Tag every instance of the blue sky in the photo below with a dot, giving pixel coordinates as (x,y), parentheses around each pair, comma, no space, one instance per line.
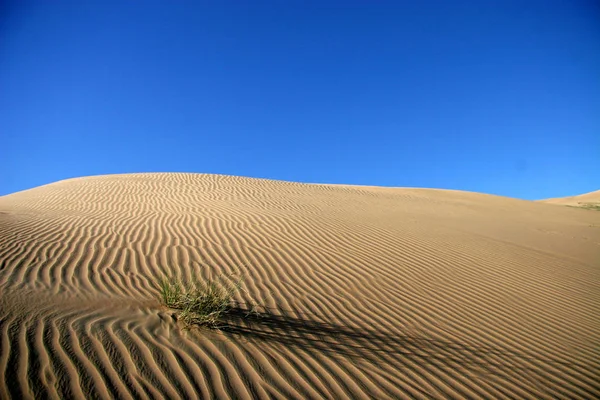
(499,97)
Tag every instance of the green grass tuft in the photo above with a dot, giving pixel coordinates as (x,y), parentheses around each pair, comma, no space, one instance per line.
(591,206)
(199,303)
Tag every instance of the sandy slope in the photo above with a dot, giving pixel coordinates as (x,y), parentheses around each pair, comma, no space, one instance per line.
(372,292)
(587,198)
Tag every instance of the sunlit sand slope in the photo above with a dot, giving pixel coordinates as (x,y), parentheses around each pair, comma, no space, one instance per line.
(368,292)
(582,199)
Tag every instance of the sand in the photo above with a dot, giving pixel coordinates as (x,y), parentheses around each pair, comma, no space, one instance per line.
(378,293)
(587,198)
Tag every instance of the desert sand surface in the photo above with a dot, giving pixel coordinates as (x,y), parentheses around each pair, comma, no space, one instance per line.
(587,198)
(379,293)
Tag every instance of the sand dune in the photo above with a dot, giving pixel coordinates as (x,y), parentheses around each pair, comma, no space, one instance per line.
(587,198)
(368,292)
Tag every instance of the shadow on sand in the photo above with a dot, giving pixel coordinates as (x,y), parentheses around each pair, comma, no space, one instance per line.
(383,347)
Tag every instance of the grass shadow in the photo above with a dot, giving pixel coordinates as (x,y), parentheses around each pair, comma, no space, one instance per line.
(386,347)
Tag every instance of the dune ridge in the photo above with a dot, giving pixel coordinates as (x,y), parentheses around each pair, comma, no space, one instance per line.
(586,198)
(367,292)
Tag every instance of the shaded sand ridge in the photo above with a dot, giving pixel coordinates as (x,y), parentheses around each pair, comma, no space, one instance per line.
(369,292)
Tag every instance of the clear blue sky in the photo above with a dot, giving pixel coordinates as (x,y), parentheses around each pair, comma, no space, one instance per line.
(500,97)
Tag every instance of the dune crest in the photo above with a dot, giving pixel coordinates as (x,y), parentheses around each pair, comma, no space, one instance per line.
(586,198)
(368,292)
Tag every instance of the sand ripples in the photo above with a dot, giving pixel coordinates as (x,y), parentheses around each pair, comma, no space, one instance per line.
(368,292)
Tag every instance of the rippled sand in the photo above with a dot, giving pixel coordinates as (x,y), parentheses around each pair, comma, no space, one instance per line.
(368,292)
